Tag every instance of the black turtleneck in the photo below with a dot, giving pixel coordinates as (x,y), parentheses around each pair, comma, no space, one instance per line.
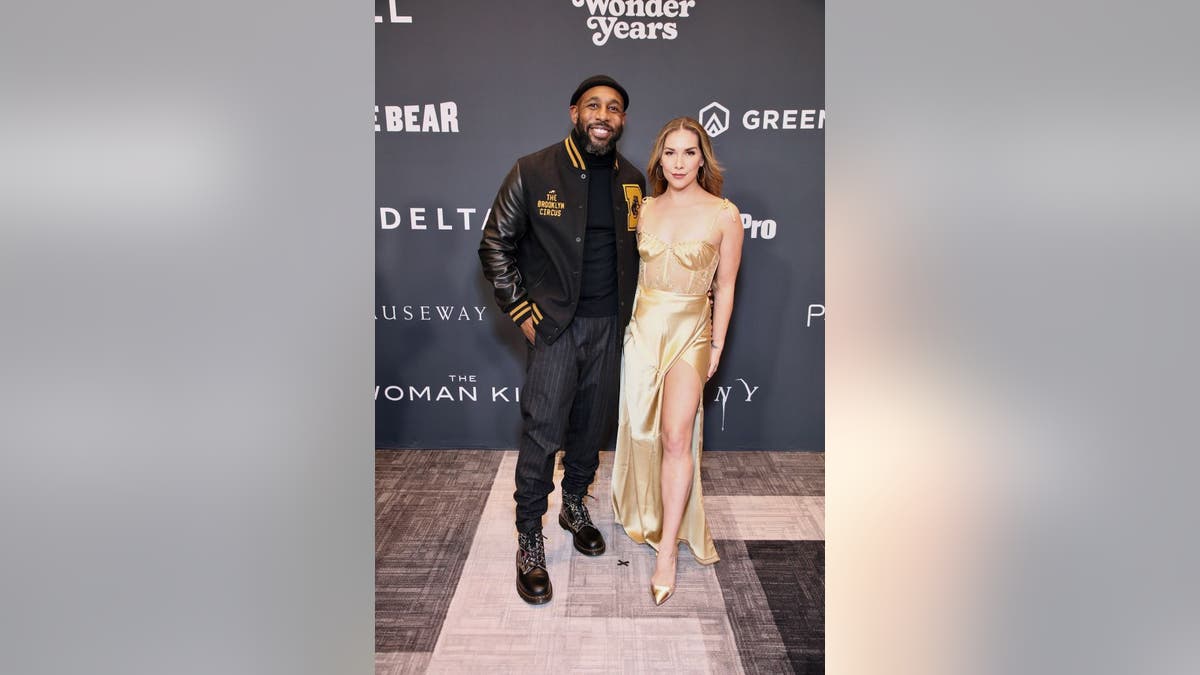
(598,291)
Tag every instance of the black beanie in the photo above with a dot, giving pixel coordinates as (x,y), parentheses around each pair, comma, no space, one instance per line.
(600,81)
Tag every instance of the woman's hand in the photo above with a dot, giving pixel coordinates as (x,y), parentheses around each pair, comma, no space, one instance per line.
(714,358)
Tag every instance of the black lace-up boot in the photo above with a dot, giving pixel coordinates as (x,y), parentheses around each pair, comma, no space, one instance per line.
(533,581)
(575,519)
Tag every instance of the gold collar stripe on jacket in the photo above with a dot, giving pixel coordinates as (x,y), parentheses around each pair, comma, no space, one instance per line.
(573,153)
(577,159)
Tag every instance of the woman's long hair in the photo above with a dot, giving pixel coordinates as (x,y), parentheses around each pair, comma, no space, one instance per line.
(709,176)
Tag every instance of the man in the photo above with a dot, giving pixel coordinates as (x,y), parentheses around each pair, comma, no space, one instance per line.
(560,250)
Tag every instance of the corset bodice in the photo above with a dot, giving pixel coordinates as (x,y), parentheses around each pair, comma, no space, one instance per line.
(681,267)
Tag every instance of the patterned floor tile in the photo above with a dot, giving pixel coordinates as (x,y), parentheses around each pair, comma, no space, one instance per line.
(401,663)
(427,508)
(747,518)
(767,474)
(792,575)
(760,646)
(434,470)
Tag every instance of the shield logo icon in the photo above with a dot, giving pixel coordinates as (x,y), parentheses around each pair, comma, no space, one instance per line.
(714,117)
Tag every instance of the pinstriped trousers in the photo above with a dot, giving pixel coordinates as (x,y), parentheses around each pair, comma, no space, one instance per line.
(569,401)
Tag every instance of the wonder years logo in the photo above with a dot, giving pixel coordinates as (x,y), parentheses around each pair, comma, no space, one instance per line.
(607,18)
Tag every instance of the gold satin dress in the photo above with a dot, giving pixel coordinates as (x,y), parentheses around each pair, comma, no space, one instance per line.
(671,326)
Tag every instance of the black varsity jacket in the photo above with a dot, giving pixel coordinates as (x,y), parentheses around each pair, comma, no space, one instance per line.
(532,246)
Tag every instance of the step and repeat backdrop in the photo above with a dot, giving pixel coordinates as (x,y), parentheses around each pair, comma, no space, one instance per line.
(464,87)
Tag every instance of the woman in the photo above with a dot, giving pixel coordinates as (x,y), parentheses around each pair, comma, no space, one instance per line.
(689,241)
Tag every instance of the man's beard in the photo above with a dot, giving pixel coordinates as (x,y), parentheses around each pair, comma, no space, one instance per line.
(603,147)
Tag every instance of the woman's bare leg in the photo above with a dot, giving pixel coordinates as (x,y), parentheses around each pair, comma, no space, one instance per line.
(681,400)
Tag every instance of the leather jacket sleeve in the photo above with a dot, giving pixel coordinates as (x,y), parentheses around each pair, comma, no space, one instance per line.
(506,225)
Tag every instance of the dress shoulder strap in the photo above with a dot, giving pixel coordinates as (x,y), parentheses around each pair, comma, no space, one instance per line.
(725,204)
(646,200)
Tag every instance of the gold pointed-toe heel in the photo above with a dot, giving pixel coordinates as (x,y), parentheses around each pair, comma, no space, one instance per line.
(661,593)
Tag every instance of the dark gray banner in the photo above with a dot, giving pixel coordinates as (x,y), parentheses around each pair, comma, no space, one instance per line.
(464,88)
